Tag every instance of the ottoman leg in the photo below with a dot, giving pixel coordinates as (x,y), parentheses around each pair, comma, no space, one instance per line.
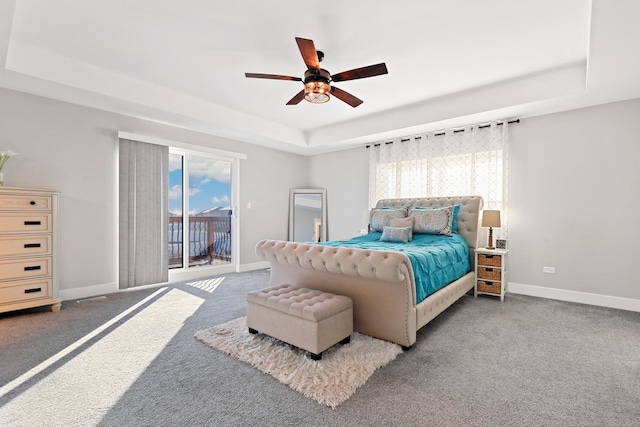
(316,356)
(252,331)
(347,340)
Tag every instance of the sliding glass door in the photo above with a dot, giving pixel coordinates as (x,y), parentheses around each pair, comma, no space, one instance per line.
(200,210)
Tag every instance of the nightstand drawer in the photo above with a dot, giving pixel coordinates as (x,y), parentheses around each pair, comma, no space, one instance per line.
(491,287)
(24,222)
(21,244)
(489,273)
(24,268)
(490,260)
(31,203)
(25,290)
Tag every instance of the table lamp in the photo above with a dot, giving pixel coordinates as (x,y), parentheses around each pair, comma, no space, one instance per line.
(490,218)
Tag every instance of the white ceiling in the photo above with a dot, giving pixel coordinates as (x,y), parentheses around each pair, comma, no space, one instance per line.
(450,62)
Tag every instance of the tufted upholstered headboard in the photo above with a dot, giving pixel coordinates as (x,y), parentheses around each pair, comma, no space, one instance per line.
(468,218)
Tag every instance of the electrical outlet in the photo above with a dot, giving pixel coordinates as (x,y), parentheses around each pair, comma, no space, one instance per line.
(550,270)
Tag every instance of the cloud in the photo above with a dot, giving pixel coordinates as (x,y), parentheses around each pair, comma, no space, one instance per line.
(203,167)
(175,192)
(223,199)
(206,168)
(175,162)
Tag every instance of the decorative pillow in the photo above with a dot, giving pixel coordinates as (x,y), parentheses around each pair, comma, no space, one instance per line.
(380,217)
(454,221)
(401,222)
(396,234)
(432,221)
(404,222)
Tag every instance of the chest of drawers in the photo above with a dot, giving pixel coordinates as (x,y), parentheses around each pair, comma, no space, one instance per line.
(28,233)
(491,272)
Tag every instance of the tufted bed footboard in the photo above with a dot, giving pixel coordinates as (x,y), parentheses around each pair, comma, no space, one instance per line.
(381,284)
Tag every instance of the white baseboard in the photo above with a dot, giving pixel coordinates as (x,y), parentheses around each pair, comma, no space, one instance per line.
(87,291)
(254,266)
(574,296)
(108,288)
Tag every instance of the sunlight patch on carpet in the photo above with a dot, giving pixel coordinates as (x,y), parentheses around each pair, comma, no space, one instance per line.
(329,381)
(86,380)
(208,285)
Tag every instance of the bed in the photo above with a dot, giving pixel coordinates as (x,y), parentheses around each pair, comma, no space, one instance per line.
(381,281)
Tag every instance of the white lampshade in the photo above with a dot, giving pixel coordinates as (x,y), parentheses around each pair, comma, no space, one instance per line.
(491,218)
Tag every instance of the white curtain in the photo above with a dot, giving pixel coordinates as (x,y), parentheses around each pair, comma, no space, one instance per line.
(469,161)
(144,214)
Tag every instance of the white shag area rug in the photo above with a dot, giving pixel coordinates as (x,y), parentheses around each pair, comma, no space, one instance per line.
(329,381)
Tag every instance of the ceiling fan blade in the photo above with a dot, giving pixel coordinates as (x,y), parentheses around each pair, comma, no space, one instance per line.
(360,73)
(272,76)
(345,96)
(309,53)
(296,99)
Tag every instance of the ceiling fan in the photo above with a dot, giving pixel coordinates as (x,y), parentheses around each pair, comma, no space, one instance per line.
(317,81)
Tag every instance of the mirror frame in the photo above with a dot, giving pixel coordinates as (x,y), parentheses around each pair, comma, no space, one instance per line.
(323,210)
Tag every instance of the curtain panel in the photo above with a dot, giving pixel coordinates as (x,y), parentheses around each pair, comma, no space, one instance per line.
(469,161)
(143,214)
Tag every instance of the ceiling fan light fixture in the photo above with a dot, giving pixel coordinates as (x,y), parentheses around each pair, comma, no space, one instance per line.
(317,91)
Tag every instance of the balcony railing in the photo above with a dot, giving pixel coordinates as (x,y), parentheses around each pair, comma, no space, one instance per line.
(209,240)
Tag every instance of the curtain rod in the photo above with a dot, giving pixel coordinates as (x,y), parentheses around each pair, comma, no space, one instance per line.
(442,133)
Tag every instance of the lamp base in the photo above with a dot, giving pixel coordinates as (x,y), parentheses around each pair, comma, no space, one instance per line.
(490,242)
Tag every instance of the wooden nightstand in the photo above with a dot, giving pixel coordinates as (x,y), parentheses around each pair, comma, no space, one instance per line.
(491,272)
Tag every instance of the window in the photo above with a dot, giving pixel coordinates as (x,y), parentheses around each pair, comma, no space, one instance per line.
(453,163)
(205,210)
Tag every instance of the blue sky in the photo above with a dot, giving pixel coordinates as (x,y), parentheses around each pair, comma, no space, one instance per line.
(209,183)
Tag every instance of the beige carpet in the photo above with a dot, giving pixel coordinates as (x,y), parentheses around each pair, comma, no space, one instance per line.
(329,381)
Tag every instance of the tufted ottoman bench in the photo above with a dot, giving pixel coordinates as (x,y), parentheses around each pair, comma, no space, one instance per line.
(306,318)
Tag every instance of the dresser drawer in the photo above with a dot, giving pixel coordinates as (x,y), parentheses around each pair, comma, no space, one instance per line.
(490,260)
(22,244)
(24,222)
(31,203)
(25,290)
(489,273)
(24,268)
(490,287)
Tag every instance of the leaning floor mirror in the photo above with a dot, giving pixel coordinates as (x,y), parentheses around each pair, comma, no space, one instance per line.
(307,215)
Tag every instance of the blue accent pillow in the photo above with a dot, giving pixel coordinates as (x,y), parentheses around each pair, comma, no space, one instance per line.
(396,234)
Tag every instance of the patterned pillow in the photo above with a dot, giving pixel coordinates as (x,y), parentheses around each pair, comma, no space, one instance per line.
(454,221)
(380,218)
(404,222)
(432,221)
(396,234)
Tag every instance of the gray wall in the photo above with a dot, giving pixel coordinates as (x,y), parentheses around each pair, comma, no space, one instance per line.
(572,202)
(345,176)
(573,181)
(73,149)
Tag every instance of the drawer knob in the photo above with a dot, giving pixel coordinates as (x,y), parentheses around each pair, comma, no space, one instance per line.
(32,245)
(32,203)
(33,223)
(32,290)
(32,268)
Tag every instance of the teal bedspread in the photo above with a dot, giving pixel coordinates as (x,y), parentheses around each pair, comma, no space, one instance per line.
(436,260)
